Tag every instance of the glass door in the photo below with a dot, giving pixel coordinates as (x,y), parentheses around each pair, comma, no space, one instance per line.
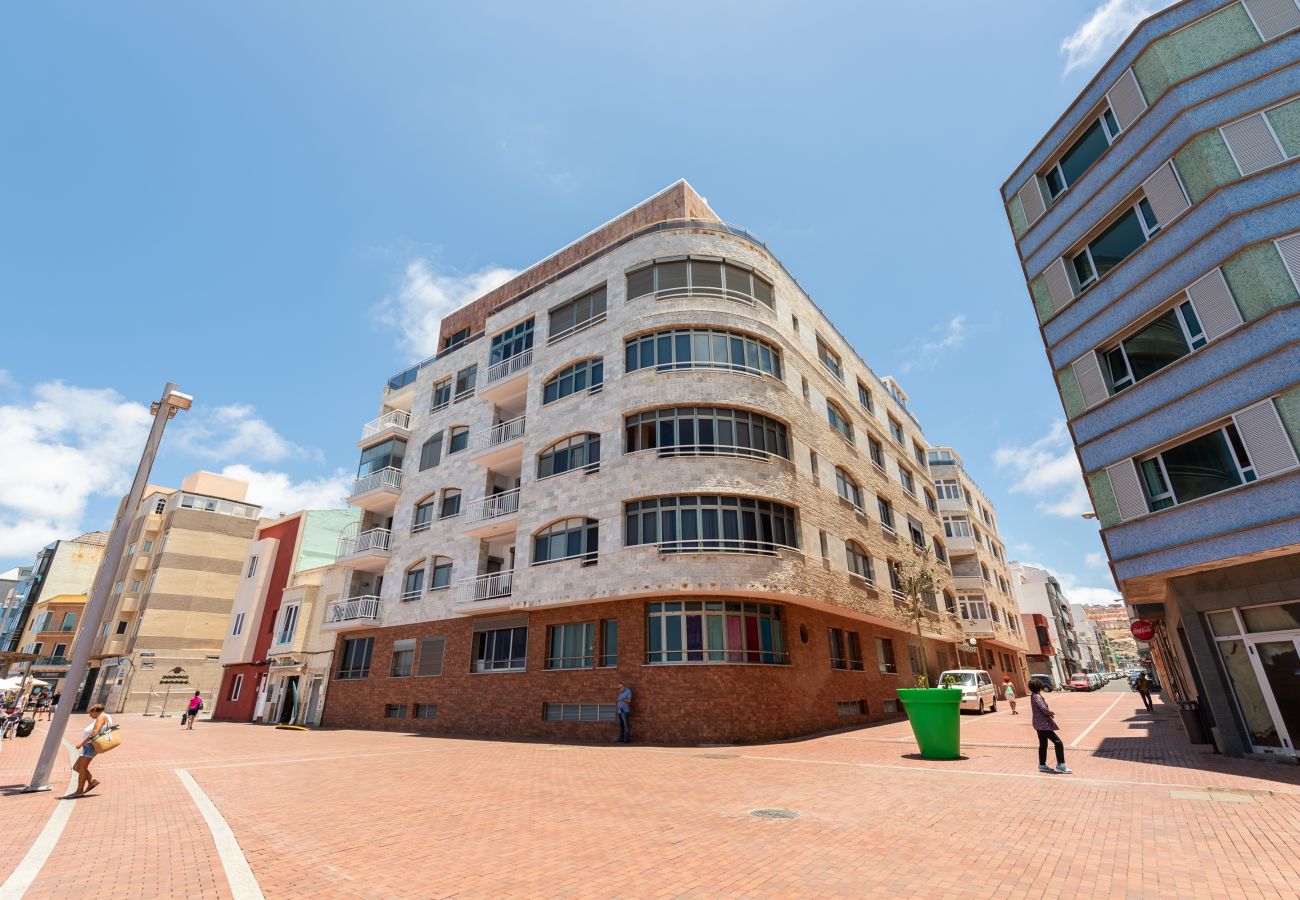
(1260,650)
(1280,662)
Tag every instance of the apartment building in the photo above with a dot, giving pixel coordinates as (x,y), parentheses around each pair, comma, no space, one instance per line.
(171,595)
(1158,225)
(65,568)
(49,635)
(268,673)
(1113,626)
(649,458)
(1046,612)
(986,603)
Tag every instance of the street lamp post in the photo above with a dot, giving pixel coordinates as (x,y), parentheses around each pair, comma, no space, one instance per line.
(164,409)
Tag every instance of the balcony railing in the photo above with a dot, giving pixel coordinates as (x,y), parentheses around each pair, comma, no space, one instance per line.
(352,609)
(395,419)
(493,507)
(51,661)
(383,478)
(501,434)
(508,367)
(485,587)
(375,540)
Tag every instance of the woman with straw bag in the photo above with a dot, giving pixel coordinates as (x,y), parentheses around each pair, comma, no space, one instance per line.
(97,732)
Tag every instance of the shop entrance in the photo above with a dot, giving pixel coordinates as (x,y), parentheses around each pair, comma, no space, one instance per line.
(1260,649)
(289,701)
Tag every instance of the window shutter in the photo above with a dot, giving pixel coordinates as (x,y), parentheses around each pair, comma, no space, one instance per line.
(1129,496)
(1166,194)
(1031,200)
(431,654)
(1273,17)
(1252,144)
(1266,440)
(1289,247)
(431,452)
(1088,372)
(1126,100)
(1058,285)
(1214,305)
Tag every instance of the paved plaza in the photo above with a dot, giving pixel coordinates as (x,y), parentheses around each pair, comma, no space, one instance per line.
(246,811)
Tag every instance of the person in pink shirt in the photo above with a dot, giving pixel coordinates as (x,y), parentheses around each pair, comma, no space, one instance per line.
(192,713)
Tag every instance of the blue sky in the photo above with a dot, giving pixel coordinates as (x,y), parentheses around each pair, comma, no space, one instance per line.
(272,204)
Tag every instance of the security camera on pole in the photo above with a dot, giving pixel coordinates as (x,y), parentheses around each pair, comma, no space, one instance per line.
(164,409)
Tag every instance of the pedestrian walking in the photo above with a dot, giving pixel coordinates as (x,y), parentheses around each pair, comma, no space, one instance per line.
(624,710)
(1143,686)
(196,704)
(1045,725)
(1009,690)
(99,721)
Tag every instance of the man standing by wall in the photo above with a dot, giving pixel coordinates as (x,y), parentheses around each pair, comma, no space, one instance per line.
(624,709)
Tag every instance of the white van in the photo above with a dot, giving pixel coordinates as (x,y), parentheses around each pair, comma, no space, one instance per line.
(977,689)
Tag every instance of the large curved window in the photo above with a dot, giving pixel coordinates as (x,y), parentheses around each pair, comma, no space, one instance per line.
(665,279)
(849,489)
(839,421)
(702,348)
(585,375)
(582,451)
(568,539)
(710,522)
(706,431)
(714,631)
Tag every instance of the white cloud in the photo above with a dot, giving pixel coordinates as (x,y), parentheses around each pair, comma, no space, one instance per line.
(277,492)
(1076,591)
(1047,468)
(234,432)
(927,353)
(1109,24)
(1096,560)
(7,382)
(427,296)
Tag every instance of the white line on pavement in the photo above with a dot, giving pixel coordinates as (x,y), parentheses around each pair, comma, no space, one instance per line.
(243,883)
(21,878)
(1074,744)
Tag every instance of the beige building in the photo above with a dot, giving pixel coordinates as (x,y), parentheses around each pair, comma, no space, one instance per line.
(50,633)
(172,594)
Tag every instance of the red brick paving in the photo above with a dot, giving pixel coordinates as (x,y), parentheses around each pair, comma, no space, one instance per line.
(363,814)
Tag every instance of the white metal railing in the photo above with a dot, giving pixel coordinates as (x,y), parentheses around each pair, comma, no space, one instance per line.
(510,366)
(493,507)
(501,433)
(723,545)
(383,478)
(374,540)
(485,587)
(574,329)
(352,609)
(395,419)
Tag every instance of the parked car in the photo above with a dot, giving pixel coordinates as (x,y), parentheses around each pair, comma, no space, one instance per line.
(1098,682)
(1044,680)
(1081,681)
(977,689)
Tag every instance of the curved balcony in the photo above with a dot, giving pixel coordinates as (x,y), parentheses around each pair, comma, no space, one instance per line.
(378,490)
(490,591)
(499,443)
(352,612)
(507,378)
(492,515)
(368,551)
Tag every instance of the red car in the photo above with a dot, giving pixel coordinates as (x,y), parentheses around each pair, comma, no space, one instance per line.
(1080,682)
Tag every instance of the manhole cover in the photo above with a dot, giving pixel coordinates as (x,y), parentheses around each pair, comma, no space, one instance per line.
(774,813)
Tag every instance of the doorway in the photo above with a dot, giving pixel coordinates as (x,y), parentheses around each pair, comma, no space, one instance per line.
(289,701)
(1260,650)
(313,697)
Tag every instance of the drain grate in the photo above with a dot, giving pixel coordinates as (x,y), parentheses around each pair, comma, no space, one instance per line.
(774,813)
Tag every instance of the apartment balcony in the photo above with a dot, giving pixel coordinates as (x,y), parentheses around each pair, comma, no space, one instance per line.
(498,445)
(507,379)
(45,661)
(141,563)
(114,646)
(393,424)
(977,628)
(969,583)
(378,491)
(352,613)
(951,506)
(490,591)
(153,522)
(959,544)
(130,603)
(492,515)
(368,551)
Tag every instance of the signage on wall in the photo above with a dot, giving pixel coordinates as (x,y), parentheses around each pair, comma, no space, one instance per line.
(1142,630)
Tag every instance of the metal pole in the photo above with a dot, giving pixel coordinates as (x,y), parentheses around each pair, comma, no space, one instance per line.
(98,604)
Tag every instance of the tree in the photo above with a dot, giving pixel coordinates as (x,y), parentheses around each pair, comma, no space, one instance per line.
(916,581)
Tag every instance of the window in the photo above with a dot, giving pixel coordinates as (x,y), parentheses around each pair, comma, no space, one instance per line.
(984,573)
(941,458)
(236,685)
(238,627)
(915,533)
(466,378)
(669,278)
(455,340)
(895,578)
(252,567)
(706,431)
(432,651)
(388,455)
(423,516)
(585,375)
(710,522)
(864,398)
(146,547)
(702,348)
(896,429)
(803,380)
(354,661)
(413,584)
(838,659)
(569,539)
(59,650)
(918,452)
(426,711)
(825,544)
(948,489)
(830,359)
(885,656)
(940,553)
(288,624)
(580,712)
(1080,156)
(512,342)
(956,527)
(717,631)
(572,646)
(450,504)
(394,711)
(877,453)
(1166,340)
(854,646)
(121,626)
(886,513)
(813,464)
(160,507)
(930,503)
(839,421)
(917,659)
(403,658)
(501,650)
(907,481)
(441,395)
(130,551)
(859,562)
(848,488)
(1110,248)
(135,585)
(70,619)
(608,643)
(441,579)
(576,315)
(431,452)
(794,323)
(1197,468)
(119,587)
(459,439)
(582,451)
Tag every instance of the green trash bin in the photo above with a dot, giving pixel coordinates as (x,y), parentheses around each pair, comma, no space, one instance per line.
(935,716)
